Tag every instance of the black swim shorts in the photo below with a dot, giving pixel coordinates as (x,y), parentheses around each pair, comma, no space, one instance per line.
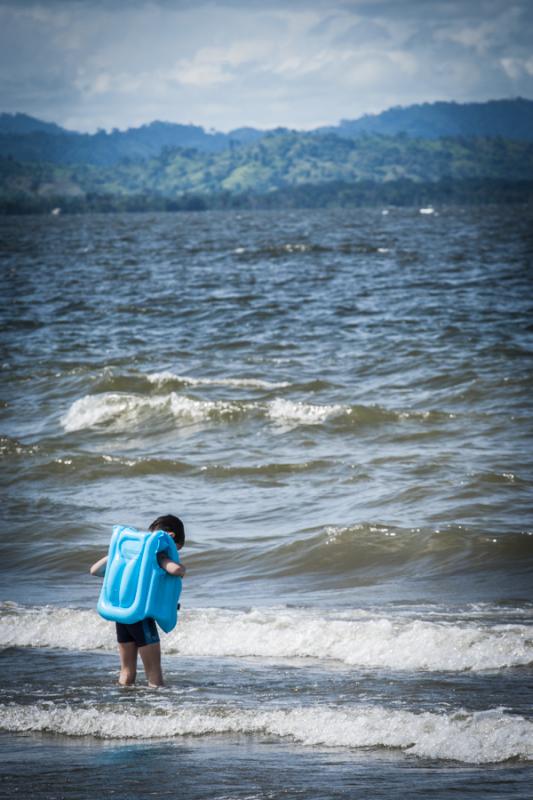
(142,633)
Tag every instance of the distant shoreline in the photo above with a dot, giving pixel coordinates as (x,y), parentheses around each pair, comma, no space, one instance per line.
(400,193)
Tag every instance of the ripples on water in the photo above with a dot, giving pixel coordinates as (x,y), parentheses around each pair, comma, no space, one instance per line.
(338,404)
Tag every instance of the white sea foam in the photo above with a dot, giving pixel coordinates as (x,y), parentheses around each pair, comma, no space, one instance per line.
(161,378)
(290,412)
(296,247)
(360,642)
(360,639)
(52,626)
(125,411)
(479,737)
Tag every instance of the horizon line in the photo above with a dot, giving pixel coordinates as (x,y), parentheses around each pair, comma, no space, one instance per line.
(214,131)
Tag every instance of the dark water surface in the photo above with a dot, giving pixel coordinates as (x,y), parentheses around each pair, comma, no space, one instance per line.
(338,404)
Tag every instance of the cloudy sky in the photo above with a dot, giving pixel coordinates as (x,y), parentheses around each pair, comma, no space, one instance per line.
(225,63)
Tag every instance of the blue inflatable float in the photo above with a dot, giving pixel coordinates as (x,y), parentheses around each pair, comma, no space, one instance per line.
(135,586)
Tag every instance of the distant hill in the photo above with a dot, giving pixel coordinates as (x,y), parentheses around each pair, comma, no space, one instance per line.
(22,124)
(25,138)
(511,119)
(28,139)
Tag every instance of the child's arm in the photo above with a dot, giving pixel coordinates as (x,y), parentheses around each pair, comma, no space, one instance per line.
(172,567)
(98,568)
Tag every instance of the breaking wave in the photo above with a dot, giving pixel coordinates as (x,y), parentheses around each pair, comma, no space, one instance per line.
(356,639)
(124,411)
(480,737)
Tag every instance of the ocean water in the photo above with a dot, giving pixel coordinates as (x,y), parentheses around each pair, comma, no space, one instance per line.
(338,405)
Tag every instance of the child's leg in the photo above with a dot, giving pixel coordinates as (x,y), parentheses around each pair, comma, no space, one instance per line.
(151,658)
(128,663)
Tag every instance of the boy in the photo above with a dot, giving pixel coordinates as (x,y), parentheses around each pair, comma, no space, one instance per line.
(142,637)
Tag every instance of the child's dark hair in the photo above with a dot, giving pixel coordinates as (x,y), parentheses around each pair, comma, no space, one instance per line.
(170,524)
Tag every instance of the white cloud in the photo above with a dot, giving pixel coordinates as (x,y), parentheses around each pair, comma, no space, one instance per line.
(202,70)
(516,68)
(298,66)
(404,61)
(477,37)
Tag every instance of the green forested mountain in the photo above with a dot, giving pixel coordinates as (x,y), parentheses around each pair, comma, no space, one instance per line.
(511,119)
(281,164)
(22,124)
(25,138)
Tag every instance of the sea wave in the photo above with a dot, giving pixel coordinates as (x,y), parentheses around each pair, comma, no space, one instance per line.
(125,411)
(112,379)
(358,639)
(479,737)
(166,377)
(85,467)
(323,558)
(366,549)
(290,412)
(367,641)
